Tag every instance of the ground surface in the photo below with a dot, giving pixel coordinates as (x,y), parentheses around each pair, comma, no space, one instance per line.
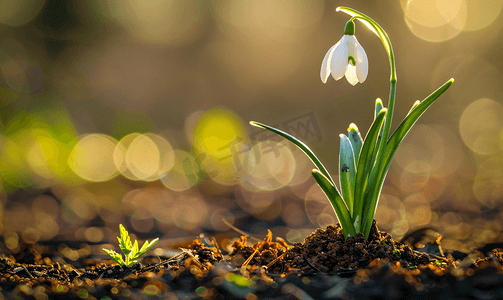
(323,266)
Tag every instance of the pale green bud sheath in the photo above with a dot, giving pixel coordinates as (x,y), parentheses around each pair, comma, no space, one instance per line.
(350,28)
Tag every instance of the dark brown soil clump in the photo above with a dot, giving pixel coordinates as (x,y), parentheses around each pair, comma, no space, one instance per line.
(324,266)
(326,251)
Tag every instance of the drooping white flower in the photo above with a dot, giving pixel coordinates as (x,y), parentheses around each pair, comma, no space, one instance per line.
(347,57)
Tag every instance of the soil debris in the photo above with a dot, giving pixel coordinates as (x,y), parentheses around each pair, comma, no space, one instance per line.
(324,266)
(326,251)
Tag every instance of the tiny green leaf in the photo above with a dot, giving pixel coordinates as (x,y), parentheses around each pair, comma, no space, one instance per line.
(124,240)
(131,252)
(146,246)
(115,256)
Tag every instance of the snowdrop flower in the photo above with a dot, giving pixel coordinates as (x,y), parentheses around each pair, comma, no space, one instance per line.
(347,57)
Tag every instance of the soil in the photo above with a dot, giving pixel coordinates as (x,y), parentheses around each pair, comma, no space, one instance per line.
(324,266)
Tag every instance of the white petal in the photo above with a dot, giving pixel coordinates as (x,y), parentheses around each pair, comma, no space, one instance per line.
(362,63)
(351,75)
(351,44)
(339,60)
(325,65)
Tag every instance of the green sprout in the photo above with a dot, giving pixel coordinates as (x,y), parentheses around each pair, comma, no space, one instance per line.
(363,163)
(131,252)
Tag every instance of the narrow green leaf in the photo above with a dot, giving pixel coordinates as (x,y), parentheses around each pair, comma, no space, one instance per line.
(392,145)
(356,140)
(154,241)
(378,108)
(365,163)
(338,204)
(347,172)
(299,144)
(146,246)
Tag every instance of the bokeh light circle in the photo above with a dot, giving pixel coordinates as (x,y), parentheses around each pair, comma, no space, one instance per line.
(92,158)
(269,166)
(120,155)
(166,155)
(488,182)
(431,13)
(480,126)
(184,174)
(142,157)
(418,210)
(435,20)
(482,13)
(316,204)
(220,140)
(391,215)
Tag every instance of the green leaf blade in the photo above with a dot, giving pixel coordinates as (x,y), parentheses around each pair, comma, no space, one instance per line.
(365,163)
(347,172)
(338,204)
(394,141)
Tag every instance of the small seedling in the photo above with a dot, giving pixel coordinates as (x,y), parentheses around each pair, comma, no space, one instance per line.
(131,252)
(363,163)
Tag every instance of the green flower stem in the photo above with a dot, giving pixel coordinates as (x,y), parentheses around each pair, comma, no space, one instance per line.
(377,29)
(368,195)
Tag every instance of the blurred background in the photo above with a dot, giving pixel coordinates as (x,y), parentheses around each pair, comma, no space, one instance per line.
(136,112)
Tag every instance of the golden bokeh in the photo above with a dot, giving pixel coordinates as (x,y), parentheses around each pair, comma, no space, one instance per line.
(440,20)
(432,13)
(142,157)
(481,13)
(480,126)
(135,112)
(92,158)
(268,165)
(218,139)
(185,173)
(317,206)
(435,20)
